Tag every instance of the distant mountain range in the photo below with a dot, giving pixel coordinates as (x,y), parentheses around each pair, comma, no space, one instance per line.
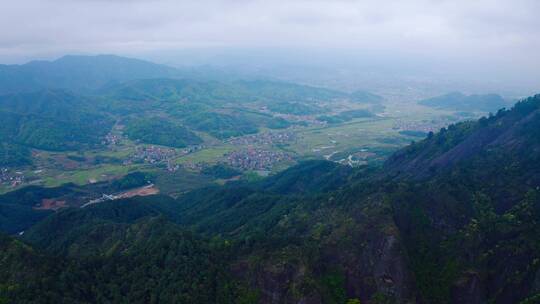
(85,74)
(79,73)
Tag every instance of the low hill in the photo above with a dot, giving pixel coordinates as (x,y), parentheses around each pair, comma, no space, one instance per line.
(366,97)
(14,155)
(459,102)
(345,116)
(51,120)
(159,131)
(288,92)
(295,108)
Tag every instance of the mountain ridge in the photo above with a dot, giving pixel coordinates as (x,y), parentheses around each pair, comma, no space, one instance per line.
(80,73)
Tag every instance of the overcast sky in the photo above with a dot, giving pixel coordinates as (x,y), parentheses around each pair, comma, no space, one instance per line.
(504,33)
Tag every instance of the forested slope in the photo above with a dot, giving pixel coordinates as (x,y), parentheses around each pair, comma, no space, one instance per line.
(451,219)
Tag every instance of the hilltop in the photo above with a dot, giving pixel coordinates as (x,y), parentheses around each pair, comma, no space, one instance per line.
(460,102)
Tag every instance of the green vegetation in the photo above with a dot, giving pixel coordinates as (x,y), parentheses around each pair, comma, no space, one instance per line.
(14,155)
(221,171)
(160,132)
(308,177)
(334,284)
(172,90)
(179,182)
(132,180)
(345,116)
(51,120)
(58,120)
(413,133)
(366,97)
(212,92)
(15,218)
(295,108)
(222,125)
(263,90)
(460,102)
(467,217)
(98,173)
(484,196)
(149,261)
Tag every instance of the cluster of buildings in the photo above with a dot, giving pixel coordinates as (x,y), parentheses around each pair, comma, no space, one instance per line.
(310,120)
(172,166)
(357,159)
(194,166)
(265,138)
(153,154)
(10,178)
(190,149)
(256,159)
(160,156)
(111,139)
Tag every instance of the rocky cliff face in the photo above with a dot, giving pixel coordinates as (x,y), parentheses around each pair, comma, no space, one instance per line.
(467,204)
(350,250)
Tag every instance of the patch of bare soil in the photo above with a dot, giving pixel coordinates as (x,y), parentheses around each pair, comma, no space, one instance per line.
(51,204)
(144,191)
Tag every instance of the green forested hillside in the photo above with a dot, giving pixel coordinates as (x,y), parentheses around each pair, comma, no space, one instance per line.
(221,171)
(294,108)
(459,102)
(366,97)
(345,116)
(51,120)
(161,132)
(464,231)
(478,193)
(507,136)
(148,261)
(289,92)
(20,209)
(14,155)
(221,125)
(310,177)
(30,277)
(173,90)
